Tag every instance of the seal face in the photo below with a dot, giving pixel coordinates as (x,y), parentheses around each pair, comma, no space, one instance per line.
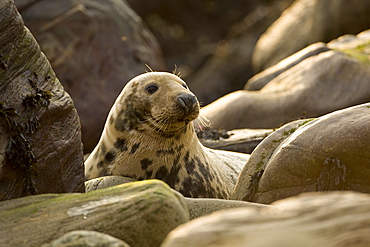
(149,134)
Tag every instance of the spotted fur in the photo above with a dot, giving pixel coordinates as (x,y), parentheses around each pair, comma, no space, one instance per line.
(151,135)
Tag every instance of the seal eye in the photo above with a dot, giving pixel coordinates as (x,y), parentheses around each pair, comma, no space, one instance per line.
(151,88)
(184,85)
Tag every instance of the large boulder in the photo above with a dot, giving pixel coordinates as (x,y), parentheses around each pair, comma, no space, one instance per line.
(210,42)
(258,81)
(86,239)
(306,22)
(95,47)
(231,62)
(197,206)
(353,45)
(188,30)
(327,153)
(40,144)
(139,213)
(318,84)
(331,219)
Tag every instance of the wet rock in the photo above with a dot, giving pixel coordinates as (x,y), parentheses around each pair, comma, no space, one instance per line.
(313,219)
(320,84)
(139,213)
(40,147)
(86,239)
(95,47)
(327,153)
(306,22)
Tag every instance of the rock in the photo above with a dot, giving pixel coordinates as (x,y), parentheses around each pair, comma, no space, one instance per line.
(315,219)
(327,153)
(239,140)
(40,147)
(351,42)
(106,182)
(188,30)
(199,207)
(139,213)
(248,180)
(306,22)
(231,62)
(352,45)
(95,47)
(86,239)
(316,86)
(261,79)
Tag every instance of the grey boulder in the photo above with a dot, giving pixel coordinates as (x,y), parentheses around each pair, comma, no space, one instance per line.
(332,219)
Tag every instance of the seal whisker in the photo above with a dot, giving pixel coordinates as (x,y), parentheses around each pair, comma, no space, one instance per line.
(163,124)
(159,124)
(175,72)
(150,69)
(202,121)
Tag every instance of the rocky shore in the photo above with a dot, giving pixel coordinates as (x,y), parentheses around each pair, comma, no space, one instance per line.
(303,118)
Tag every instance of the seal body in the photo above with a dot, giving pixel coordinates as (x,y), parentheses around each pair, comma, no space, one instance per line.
(149,133)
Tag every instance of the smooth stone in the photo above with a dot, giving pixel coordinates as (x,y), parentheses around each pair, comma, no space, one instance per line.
(258,81)
(106,182)
(314,87)
(331,219)
(323,154)
(199,207)
(306,22)
(139,213)
(86,239)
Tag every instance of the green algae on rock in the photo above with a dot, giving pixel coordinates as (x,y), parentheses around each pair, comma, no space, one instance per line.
(140,213)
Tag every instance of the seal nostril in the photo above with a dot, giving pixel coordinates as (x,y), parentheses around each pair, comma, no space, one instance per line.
(181,102)
(187,100)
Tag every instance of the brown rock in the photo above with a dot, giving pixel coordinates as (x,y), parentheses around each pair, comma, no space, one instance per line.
(307,22)
(332,219)
(328,153)
(95,47)
(40,147)
(239,140)
(316,86)
(231,62)
(260,80)
(188,30)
